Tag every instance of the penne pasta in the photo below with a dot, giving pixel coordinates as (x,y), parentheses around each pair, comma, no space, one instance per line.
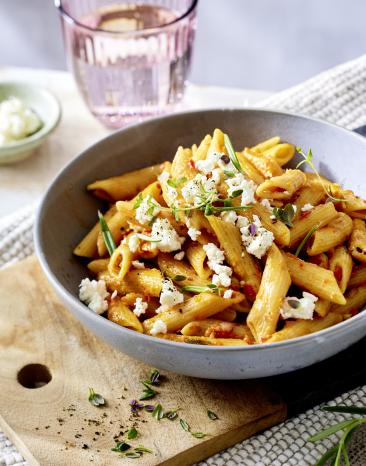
(202,149)
(341,264)
(281,153)
(358,276)
(98,265)
(283,186)
(357,242)
(265,145)
(120,314)
(193,340)
(267,166)
(355,300)
(353,205)
(180,272)
(182,166)
(196,257)
(145,282)
(214,328)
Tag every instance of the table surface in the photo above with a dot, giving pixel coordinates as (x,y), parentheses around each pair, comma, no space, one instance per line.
(25,182)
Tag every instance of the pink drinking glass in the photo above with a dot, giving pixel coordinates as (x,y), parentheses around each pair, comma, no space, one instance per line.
(130,60)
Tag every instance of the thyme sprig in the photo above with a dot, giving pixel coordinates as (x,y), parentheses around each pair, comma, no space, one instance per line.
(232,154)
(339,453)
(308,159)
(306,238)
(106,234)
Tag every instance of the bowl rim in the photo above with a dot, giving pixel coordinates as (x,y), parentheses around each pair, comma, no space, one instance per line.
(47,126)
(141,337)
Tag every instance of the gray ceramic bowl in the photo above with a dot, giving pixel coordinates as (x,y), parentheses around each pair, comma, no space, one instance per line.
(68,212)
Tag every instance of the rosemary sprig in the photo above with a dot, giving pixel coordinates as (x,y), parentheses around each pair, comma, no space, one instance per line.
(339,453)
(106,234)
(211,288)
(213,416)
(232,154)
(306,238)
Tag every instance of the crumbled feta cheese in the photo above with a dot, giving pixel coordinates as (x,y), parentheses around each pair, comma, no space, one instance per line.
(133,242)
(159,326)
(295,308)
(114,294)
(199,187)
(255,237)
(165,235)
(294,207)
(307,207)
(147,210)
(179,256)
(163,177)
(265,203)
(171,192)
(140,307)
(208,164)
(138,265)
(240,183)
(215,258)
(216,175)
(193,233)
(94,293)
(228,294)
(229,216)
(16,121)
(169,296)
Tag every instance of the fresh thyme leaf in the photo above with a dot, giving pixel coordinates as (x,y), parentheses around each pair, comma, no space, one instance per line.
(308,235)
(232,154)
(171,415)
(133,454)
(148,392)
(285,214)
(121,447)
(229,174)
(213,416)
(179,278)
(198,434)
(148,238)
(106,234)
(176,183)
(142,449)
(209,210)
(228,203)
(158,412)
(184,425)
(345,409)
(236,193)
(201,289)
(138,201)
(95,399)
(154,377)
(132,434)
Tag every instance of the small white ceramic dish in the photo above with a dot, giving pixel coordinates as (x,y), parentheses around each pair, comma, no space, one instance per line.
(44,104)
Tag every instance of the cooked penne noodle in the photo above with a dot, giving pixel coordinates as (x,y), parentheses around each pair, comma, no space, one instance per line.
(181,165)
(198,307)
(120,314)
(215,328)
(147,282)
(249,169)
(318,217)
(304,327)
(341,264)
(98,265)
(358,276)
(265,145)
(263,317)
(117,225)
(282,153)
(353,205)
(320,259)
(355,300)
(228,315)
(283,186)
(180,272)
(310,194)
(120,262)
(196,257)
(124,186)
(244,265)
(330,236)
(204,340)
(357,242)
(314,279)
(202,149)
(266,166)
(322,307)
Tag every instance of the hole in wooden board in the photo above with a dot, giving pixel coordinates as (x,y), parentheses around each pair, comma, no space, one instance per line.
(34,376)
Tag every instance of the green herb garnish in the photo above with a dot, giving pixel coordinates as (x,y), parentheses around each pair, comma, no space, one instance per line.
(106,234)
(211,288)
(171,415)
(229,174)
(306,238)
(179,278)
(338,453)
(142,449)
(232,154)
(132,434)
(158,412)
(184,425)
(236,193)
(148,392)
(198,434)
(94,398)
(121,447)
(154,378)
(176,183)
(148,238)
(285,214)
(213,416)
(138,201)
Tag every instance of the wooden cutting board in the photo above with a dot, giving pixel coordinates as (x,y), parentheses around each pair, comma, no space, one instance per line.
(56,425)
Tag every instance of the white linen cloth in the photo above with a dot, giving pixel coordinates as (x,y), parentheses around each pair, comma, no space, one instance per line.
(339,96)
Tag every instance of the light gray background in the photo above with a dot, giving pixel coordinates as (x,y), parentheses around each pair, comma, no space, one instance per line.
(257,44)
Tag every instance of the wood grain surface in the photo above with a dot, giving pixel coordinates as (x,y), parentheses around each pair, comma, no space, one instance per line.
(58,425)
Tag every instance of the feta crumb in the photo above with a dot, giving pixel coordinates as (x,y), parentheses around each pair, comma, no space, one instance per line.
(257,242)
(229,216)
(222,275)
(193,233)
(168,239)
(163,177)
(147,210)
(208,164)
(294,207)
(179,256)
(295,308)
(133,242)
(94,294)
(307,207)
(171,192)
(216,175)
(265,203)
(169,296)
(228,294)
(159,326)
(239,182)
(138,265)
(114,294)
(140,307)
(200,186)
